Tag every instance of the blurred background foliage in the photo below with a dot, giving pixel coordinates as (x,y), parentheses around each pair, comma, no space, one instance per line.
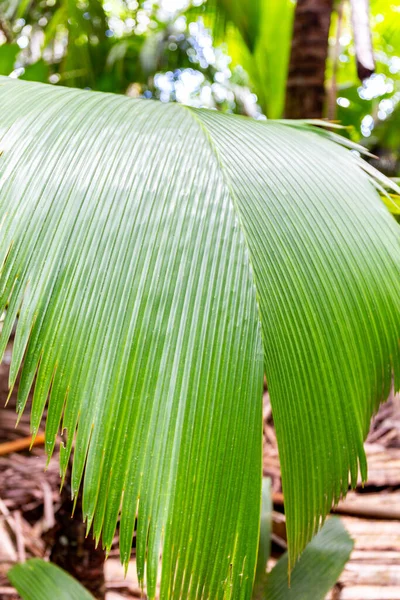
(230,55)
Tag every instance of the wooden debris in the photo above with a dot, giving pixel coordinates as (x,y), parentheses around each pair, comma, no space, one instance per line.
(384,505)
(24,443)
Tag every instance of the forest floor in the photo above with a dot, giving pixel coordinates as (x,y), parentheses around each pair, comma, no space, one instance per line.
(29,501)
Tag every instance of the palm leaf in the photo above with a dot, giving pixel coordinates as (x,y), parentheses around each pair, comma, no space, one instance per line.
(142,321)
(318,569)
(152,253)
(39,579)
(258,35)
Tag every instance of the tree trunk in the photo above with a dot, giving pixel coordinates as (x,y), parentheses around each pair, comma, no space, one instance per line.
(305,96)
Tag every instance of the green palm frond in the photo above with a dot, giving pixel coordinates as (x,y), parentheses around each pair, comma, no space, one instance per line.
(159,259)
(318,570)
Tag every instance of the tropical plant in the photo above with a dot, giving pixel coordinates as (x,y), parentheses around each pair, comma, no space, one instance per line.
(365,105)
(160,260)
(106,47)
(258,36)
(39,579)
(313,576)
(317,570)
(124,47)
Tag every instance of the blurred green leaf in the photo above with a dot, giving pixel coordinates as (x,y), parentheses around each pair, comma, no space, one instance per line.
(245,16)
(37,579)
(258,36)
(8,55)
(38,71)
(23,7)
(318,569)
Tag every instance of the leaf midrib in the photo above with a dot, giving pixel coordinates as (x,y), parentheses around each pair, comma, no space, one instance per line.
(232,196)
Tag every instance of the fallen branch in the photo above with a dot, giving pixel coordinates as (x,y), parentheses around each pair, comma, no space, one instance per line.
(385,512)
(21,444)
(388,513)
